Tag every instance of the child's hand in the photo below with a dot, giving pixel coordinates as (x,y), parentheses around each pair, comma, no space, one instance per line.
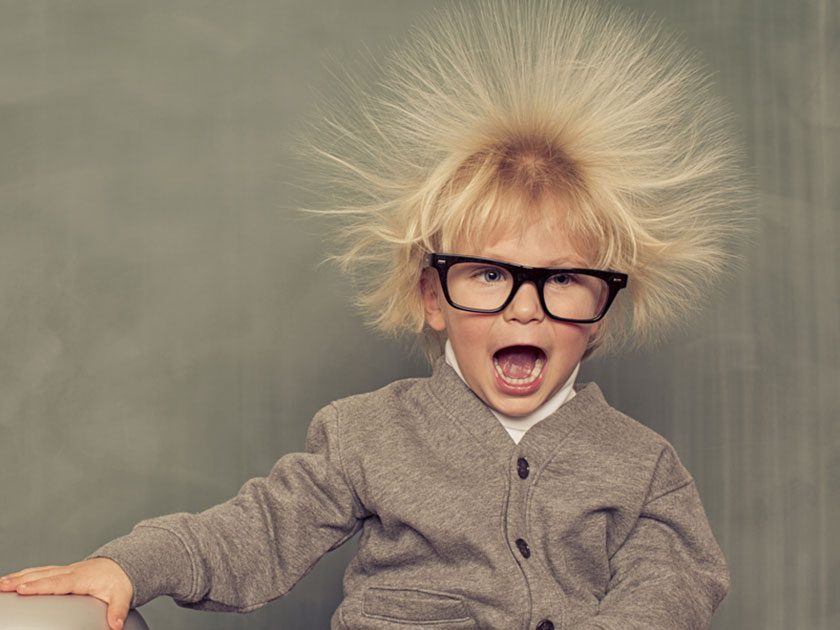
(100,577)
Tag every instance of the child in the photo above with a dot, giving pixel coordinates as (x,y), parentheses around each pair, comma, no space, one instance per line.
(527,168)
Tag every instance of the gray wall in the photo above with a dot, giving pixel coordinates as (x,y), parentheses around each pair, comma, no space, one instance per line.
(166,333)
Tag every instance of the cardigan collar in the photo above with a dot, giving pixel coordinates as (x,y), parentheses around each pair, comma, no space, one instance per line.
(466,409)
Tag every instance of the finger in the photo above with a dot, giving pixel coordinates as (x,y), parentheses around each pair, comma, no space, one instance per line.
(118,611)
(53,585)
(7,585)
(36,574)
(30,570)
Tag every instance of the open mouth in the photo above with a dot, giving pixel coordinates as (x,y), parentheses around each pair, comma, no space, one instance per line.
(519,366)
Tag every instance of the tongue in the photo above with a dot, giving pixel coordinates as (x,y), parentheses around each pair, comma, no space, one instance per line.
(517,361)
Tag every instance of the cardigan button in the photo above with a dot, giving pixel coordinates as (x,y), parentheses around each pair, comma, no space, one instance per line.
(522,467)
(523,547)
(545,624)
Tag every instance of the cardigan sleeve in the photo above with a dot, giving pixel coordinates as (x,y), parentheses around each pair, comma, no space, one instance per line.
(241,554)
(669,572)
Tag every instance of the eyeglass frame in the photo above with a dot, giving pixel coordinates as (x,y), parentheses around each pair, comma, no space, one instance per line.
(522,274)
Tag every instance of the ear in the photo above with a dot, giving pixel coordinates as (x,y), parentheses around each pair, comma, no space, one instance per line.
(432,295)
(594,329)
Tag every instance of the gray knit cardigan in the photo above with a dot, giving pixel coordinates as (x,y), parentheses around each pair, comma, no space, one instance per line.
(590,522)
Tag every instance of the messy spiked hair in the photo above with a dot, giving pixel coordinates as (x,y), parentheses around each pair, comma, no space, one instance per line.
(491,110)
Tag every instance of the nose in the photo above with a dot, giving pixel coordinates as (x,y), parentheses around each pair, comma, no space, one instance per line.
(525,305)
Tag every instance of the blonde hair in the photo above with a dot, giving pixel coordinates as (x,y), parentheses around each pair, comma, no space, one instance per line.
(489,110)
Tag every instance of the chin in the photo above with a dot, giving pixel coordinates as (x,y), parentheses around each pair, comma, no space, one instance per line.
(517,408)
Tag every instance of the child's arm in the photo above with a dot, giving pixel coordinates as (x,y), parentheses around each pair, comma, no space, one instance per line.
(669,572)
(241,554)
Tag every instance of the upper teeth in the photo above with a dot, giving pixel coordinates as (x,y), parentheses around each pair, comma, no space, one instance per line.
(533,376)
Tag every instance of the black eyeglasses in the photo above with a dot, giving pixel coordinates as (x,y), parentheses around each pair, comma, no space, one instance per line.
(483,285)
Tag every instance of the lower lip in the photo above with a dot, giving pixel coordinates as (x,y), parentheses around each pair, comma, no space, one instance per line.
(518,390)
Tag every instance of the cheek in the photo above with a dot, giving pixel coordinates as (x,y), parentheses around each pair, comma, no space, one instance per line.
(572,339)
(468,335)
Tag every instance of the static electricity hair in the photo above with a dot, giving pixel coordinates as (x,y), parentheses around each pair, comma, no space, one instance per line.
(497,115)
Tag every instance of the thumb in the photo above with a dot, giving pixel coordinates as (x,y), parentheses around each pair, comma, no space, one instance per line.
(117,612)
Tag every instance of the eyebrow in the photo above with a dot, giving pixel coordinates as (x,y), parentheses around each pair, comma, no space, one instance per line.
(557,262)
(562,262)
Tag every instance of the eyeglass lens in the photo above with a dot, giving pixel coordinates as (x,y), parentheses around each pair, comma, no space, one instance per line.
(486,287)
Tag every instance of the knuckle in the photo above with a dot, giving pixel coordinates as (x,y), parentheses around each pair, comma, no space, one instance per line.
(46,583)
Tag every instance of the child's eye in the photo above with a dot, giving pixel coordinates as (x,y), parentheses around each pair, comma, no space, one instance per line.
(562,279)
(489,274)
